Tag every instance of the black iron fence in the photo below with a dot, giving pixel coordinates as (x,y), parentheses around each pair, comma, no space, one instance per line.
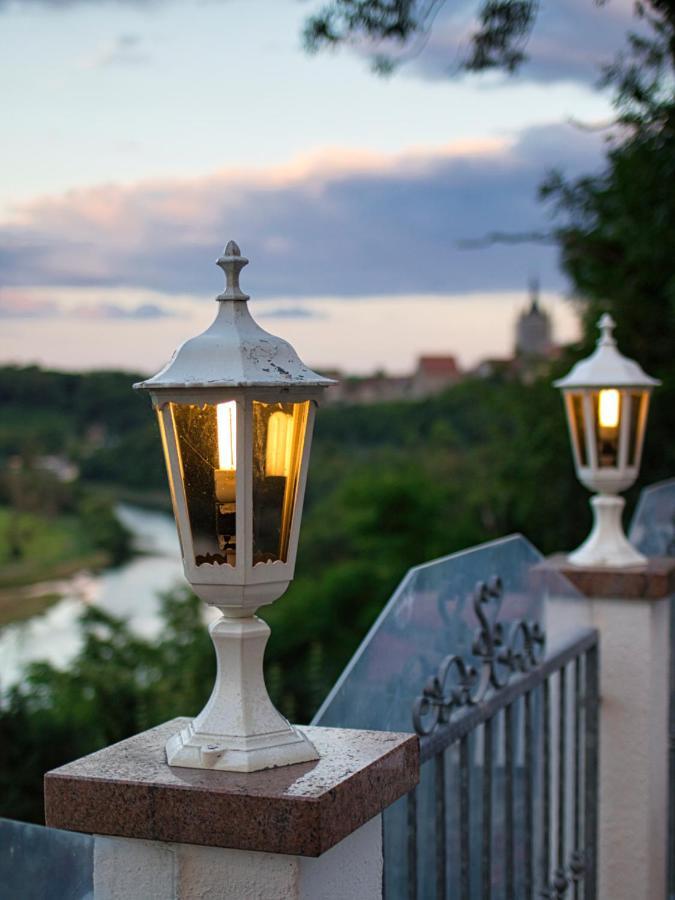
(508,792)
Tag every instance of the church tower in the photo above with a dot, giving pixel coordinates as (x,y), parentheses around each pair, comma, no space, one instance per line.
(533,328)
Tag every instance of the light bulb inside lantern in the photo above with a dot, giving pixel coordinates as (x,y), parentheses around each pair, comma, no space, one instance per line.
(608,408)
(225,474)
(226,415)
(279,444)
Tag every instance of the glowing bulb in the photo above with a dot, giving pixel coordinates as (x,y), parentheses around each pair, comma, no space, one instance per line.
(608,408)
(279,444)
(226,415)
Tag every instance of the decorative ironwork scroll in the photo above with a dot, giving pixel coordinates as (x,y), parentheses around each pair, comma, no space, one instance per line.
(504,650)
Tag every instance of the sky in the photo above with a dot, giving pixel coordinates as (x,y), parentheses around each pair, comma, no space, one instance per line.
(139,136)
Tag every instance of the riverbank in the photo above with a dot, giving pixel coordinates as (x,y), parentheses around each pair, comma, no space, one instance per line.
(19,605)
(36,548)
(27,590)
(40,622)
(34,571)
(153,500)
(41,552)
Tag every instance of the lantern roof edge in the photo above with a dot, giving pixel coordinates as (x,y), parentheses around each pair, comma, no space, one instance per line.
(606,366)
(234,351)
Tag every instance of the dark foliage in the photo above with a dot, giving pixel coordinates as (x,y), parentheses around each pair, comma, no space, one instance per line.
(498,41)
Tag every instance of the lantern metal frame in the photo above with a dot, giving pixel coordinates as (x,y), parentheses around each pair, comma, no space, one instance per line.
(607,370)
(239,729)
(247,586)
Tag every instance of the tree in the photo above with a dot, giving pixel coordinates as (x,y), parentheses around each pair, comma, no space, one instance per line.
(499,40)
(103,529)
(119,684)
(615,230)
(502,29)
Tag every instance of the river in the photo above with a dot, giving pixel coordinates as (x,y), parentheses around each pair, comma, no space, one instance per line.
(131,591)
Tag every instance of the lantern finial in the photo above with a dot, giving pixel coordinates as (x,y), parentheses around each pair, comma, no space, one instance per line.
(232,262)
(606,324)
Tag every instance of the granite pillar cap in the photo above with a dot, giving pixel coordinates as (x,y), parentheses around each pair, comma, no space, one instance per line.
(653,581)
(128,790)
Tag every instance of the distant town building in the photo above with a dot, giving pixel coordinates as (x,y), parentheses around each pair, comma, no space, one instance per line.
(96,436)
(59,466)
(433,375)
(363,389)
(534,348)
(494,367)
(533,328)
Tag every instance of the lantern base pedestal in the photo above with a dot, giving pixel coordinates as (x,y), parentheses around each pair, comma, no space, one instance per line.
(193,750)
(239,730)
(607,545)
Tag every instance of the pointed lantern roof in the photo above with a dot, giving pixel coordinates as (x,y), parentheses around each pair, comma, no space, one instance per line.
(606,366)
(234,351)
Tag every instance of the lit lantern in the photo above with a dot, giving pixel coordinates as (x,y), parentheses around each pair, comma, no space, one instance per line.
(236,410)
(607,400)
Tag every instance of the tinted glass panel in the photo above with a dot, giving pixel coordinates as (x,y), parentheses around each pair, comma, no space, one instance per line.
(39,863)
(576,402)
(278,441)
(637,400)
(206,437)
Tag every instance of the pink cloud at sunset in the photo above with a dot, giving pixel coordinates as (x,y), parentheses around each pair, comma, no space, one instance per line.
(337,225)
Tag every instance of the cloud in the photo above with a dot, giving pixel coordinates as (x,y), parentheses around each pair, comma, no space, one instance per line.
(291,312)
(115,311)
(361,226)
(124,50)
(570,41)
(16,305)
(28,304)
(574,39)
(68,4)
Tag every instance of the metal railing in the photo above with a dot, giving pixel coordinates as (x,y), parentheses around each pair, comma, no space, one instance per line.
(509,746)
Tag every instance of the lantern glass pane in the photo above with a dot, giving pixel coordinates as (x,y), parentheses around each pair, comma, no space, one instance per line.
(206,444)
(607,411)
(278,442)
(576,413)
(638,406)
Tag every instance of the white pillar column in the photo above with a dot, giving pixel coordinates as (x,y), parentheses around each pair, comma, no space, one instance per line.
(631,609)
(309,831)
(127,869)
(634,692)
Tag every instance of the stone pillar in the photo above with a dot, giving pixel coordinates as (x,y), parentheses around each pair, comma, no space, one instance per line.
(631,609)
(301,832)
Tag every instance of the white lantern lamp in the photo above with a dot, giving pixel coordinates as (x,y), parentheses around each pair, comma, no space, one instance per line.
(236,410)
(606,400)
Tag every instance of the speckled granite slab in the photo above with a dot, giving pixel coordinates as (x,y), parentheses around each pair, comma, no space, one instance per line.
(129,790)
(653,581)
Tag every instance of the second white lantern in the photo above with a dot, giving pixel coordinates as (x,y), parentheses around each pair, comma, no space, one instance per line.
(607,401)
